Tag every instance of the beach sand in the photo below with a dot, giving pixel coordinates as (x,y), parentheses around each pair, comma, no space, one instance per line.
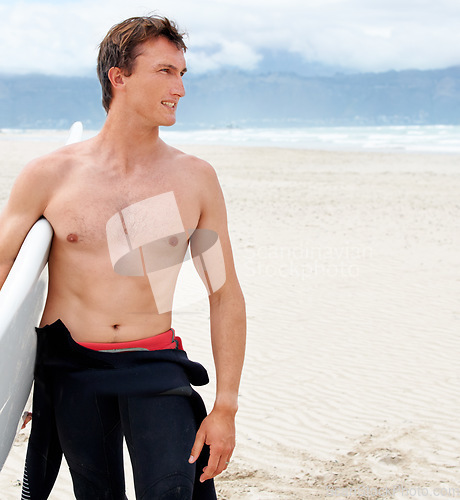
(350,266)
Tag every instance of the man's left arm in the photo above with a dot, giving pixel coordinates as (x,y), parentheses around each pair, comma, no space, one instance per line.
(228,328)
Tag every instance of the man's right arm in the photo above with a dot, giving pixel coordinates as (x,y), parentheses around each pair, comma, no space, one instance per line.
(26,204)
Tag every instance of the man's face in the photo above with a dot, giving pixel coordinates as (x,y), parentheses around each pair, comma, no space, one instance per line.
(155,85)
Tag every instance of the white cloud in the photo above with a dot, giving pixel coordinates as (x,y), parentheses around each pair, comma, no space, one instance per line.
(231,53)
(373,35)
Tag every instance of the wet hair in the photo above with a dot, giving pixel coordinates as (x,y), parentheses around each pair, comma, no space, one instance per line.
(121,46)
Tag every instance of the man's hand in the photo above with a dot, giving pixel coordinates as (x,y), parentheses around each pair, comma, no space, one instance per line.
(218,431)
(26,418)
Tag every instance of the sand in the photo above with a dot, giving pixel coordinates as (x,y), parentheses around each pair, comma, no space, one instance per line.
(350,266)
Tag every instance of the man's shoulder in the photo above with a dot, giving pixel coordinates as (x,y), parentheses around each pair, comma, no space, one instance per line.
(193,163)
(55,163)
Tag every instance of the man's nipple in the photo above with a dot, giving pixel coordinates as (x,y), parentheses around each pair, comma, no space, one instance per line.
(72,238)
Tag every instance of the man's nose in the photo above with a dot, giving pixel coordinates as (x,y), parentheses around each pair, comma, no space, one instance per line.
(179,88)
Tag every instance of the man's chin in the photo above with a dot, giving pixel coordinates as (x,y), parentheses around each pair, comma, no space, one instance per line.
(168,123)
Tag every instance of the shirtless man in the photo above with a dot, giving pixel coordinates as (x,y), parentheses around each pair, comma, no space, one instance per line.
(79,189)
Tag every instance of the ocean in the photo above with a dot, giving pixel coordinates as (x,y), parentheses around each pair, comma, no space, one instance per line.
(402,139)
(409,139)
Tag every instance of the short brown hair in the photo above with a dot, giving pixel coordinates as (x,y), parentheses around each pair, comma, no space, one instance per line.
(119,47)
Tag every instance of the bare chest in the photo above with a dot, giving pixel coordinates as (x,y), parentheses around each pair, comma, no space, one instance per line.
(93,215)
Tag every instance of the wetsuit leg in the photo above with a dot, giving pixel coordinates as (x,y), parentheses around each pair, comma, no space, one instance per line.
(90,433)
(160,432)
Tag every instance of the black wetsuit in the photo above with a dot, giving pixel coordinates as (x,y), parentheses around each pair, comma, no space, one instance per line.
(85,401)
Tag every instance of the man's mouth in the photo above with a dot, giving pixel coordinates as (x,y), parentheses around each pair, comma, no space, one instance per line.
(171,105)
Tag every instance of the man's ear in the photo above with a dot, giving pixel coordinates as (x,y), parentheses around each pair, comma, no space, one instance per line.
(116,77)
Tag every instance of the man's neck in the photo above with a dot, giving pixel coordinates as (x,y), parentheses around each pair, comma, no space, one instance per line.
(127,141)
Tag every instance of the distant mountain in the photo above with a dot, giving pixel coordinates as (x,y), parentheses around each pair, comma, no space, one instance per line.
(40,101)
(282,61)
(234,98)
(405,97)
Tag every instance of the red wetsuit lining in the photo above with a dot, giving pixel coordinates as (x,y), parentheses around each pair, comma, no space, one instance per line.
(165,340)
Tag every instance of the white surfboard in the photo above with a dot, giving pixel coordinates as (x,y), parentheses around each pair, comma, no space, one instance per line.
(22,300)
(75,133)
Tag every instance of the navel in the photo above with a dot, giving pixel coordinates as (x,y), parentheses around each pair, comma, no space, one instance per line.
(72,238)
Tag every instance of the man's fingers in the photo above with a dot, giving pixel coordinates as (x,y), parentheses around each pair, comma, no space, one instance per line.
(210,470)
(197,446)
(27,417)
(208,473)
(216,465)
(227,461)
(223,463)
(219,434)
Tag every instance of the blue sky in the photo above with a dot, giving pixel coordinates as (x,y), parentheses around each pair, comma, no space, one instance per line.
(61,37)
